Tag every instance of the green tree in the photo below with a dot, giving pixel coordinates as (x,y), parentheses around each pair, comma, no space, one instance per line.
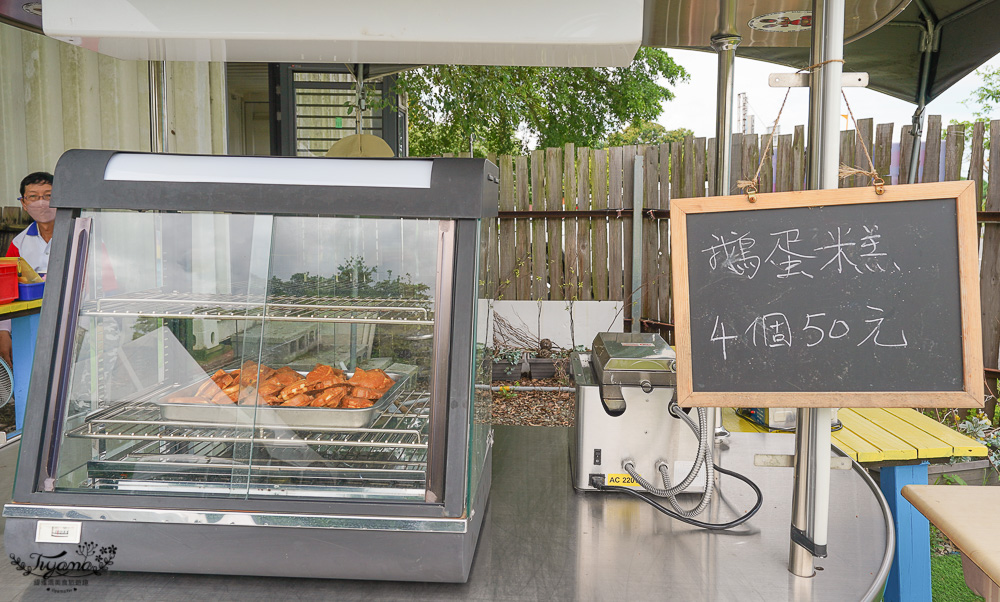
(646,132)
(502,107)
(984,101)
(987,95)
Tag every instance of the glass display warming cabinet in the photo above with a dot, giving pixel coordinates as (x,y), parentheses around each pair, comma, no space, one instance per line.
(261,366)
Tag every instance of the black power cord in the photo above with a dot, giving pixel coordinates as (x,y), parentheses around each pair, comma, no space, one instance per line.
(691,521)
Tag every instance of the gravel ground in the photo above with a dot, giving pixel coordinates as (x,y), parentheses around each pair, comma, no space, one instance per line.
(534,408)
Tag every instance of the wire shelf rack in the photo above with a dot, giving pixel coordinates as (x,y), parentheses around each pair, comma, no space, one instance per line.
(391,453)
(156,304)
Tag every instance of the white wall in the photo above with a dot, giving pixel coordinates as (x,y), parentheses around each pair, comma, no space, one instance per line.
(55,96)
(554,320)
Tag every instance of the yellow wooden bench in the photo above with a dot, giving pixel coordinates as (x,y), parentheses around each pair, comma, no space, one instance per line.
(900,442)
(873,436)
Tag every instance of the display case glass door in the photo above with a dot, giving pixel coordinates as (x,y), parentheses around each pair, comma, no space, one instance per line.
(253,356)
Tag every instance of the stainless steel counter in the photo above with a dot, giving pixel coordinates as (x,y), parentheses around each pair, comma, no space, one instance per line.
(543,541)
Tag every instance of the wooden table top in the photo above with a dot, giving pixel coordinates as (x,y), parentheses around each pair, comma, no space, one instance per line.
(959,513)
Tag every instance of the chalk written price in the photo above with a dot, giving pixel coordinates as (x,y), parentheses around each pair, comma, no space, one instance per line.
(776,330)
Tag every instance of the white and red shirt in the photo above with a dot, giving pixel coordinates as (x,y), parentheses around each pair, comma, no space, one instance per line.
(30,245)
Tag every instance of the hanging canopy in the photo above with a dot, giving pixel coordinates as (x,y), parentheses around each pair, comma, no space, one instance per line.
(953,36)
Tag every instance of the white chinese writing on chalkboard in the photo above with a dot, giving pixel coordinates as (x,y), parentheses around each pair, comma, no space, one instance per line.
(843,250)
(775,329)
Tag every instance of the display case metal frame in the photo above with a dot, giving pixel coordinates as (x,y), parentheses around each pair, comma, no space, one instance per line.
(462,192)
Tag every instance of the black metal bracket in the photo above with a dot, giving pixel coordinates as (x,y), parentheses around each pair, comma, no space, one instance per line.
(800,539)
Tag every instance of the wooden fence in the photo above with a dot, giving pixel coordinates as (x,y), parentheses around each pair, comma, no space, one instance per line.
(565,228)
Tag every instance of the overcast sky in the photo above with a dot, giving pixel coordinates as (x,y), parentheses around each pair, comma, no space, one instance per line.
(694,104)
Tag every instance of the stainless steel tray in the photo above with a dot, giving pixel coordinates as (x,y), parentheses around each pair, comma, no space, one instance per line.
(277,416)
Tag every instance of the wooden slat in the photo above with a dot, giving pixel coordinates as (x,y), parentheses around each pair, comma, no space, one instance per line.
(616,266)
(664,176)
(927,445)
(491,268)
(698,185)
(601,254)
(932,151)
(508,252)
(710,165)
(844,447)
(799,158)
(490,264)
(767,168)
(905,144)
(893,448)
(863,150)
(847,156)
(539,255)
(961,445)
(954,148)
(676,170)
(783,164)
(571,275)
(883,150)
(735,166)
(553,202)
(989,269)
(650,233)
(663,228)
(750,157)
(628,186)
(976,160)
(523,249)
(583,229)
(688,177)
(863,450)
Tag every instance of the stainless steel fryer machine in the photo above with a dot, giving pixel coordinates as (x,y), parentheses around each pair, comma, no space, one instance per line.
(626,434)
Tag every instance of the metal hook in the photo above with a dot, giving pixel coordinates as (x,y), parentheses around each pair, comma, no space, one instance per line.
(879,185)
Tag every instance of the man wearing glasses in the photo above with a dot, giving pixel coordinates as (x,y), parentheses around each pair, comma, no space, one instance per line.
(33,242)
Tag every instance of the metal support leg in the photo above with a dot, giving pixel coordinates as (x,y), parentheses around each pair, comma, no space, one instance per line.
(910,576)
(811,491)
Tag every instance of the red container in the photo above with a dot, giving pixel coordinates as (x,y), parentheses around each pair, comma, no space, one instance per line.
(8,281)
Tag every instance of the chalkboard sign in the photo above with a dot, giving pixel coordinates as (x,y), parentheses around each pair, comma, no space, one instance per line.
(829,298)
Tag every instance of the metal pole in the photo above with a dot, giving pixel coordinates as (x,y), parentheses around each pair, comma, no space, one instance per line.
(637,244)
(917,127)
(724,42)
(359,98)
(811,489)
(158,141)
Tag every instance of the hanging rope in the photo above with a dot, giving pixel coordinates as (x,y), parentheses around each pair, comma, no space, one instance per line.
(846,171)
(750,187)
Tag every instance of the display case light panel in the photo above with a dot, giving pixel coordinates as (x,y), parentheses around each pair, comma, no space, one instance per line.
(410,173)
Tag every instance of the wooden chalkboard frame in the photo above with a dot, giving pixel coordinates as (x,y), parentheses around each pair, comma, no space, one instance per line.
(963,195)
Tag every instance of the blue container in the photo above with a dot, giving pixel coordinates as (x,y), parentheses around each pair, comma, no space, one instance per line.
(30,292)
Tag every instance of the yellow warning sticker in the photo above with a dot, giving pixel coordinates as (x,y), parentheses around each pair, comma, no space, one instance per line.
(621,480)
